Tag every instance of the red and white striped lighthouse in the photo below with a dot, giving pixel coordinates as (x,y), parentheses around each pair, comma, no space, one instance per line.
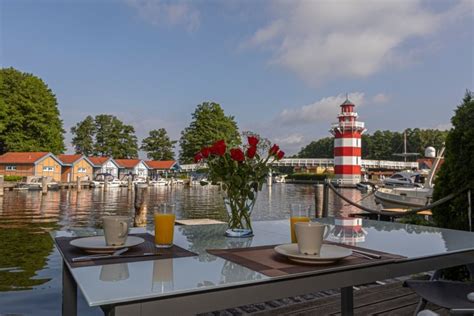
(347,145)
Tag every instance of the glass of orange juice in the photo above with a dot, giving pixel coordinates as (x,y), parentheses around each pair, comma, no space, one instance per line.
(164,225)
(298,213)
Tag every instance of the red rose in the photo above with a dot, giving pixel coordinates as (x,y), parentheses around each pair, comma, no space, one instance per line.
(237,154)
(219,148)
(280,155)
(198,157)
(206,151)
(274,150)
(251,151)
(253,141)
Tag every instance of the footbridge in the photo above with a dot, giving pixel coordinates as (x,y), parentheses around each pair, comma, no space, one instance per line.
(367,164)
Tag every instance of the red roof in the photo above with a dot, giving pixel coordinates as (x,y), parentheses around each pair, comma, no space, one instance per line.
(98,161)
(69,159)
(22,157)
(162,164)
(127,163)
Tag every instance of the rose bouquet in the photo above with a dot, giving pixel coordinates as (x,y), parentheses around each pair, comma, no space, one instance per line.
(241,171)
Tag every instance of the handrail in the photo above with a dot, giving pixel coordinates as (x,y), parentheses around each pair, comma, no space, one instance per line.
(408,212)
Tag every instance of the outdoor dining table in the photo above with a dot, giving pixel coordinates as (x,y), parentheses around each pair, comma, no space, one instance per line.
(205,282)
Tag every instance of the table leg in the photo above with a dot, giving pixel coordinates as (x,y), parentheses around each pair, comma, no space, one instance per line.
(69,293)
(347,301)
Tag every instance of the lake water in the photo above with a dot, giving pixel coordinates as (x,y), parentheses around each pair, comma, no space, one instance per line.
(30,266)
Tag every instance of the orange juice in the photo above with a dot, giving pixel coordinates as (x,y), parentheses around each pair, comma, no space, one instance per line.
(164,229)
(293,220)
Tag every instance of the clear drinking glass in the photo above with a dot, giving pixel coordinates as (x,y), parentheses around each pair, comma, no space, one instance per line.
(298,213)
(164,225)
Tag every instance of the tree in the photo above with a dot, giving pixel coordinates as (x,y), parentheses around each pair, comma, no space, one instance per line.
(29,114)
(457,171)
(208,125)
(109,136)
(83,139)
(322,148)
(158,145)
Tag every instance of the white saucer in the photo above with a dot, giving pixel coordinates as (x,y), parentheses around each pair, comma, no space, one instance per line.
(328,254)
(97,244)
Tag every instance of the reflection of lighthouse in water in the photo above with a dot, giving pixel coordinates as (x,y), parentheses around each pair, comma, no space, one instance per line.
(348,230)
(347,145)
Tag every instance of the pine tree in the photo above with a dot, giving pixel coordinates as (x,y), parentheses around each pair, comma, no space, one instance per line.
(158,145)
(208,125)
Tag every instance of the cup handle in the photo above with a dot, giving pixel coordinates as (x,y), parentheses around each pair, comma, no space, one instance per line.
(124,229)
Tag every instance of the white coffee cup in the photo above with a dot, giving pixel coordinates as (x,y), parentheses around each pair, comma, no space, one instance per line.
(310,237)
(115,230)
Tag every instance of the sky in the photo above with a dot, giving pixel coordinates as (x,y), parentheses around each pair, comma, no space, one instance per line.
(281,68)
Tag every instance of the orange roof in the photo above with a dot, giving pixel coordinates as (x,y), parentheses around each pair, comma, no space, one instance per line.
(127,163)
(69,159)
(162,164)
(98,161)
(22,157)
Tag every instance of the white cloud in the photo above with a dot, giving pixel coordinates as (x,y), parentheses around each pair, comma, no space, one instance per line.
(290,140)
(324,40)
(444,126)
(172,13)
(380,98)
(324,110)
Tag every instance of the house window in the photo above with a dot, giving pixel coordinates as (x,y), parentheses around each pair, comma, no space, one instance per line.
(10,168)
(81,170)
(48,168)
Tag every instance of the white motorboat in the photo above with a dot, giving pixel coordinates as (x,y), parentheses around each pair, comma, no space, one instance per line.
(409,197)
(281,178)
(364,186)
(159,182)
(408,179)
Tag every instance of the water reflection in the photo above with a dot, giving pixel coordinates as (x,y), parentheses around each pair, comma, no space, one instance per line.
(114,272)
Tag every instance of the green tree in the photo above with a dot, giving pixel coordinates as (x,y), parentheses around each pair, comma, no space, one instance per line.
(109,136)
(158,145)
(29,114)
(83,139)
(321,148)
(208,125)
(457,171)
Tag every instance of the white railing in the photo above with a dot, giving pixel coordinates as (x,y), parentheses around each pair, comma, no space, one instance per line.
(347,125)
(324,162)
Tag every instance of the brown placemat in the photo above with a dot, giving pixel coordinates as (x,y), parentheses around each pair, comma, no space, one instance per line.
(69,252)
(265,260)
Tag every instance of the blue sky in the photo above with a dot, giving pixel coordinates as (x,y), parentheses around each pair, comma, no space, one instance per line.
(280,67)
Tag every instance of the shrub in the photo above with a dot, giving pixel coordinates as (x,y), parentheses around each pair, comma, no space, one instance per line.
(13,178)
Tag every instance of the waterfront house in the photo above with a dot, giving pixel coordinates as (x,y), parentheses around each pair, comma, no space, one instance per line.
(133,167)
(24,164)
(156,168)
(104,165)
(75,166)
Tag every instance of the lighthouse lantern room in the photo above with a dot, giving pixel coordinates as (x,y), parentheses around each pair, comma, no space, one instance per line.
(347,145)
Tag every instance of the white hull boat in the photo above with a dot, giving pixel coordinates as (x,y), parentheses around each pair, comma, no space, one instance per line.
(403,197)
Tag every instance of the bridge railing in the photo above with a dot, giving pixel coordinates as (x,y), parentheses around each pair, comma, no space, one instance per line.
(324,162)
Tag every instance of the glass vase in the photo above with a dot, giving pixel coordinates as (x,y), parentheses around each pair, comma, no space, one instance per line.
(239,209)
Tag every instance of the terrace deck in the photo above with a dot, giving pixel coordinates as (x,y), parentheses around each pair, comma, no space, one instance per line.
(390,299)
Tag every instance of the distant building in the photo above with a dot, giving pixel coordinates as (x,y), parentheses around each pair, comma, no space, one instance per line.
(134,167)
(104,165)
(160,167)
(347,145)
(40,164)
(75,166)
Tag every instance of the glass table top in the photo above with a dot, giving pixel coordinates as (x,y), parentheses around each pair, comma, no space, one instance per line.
(124,282)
